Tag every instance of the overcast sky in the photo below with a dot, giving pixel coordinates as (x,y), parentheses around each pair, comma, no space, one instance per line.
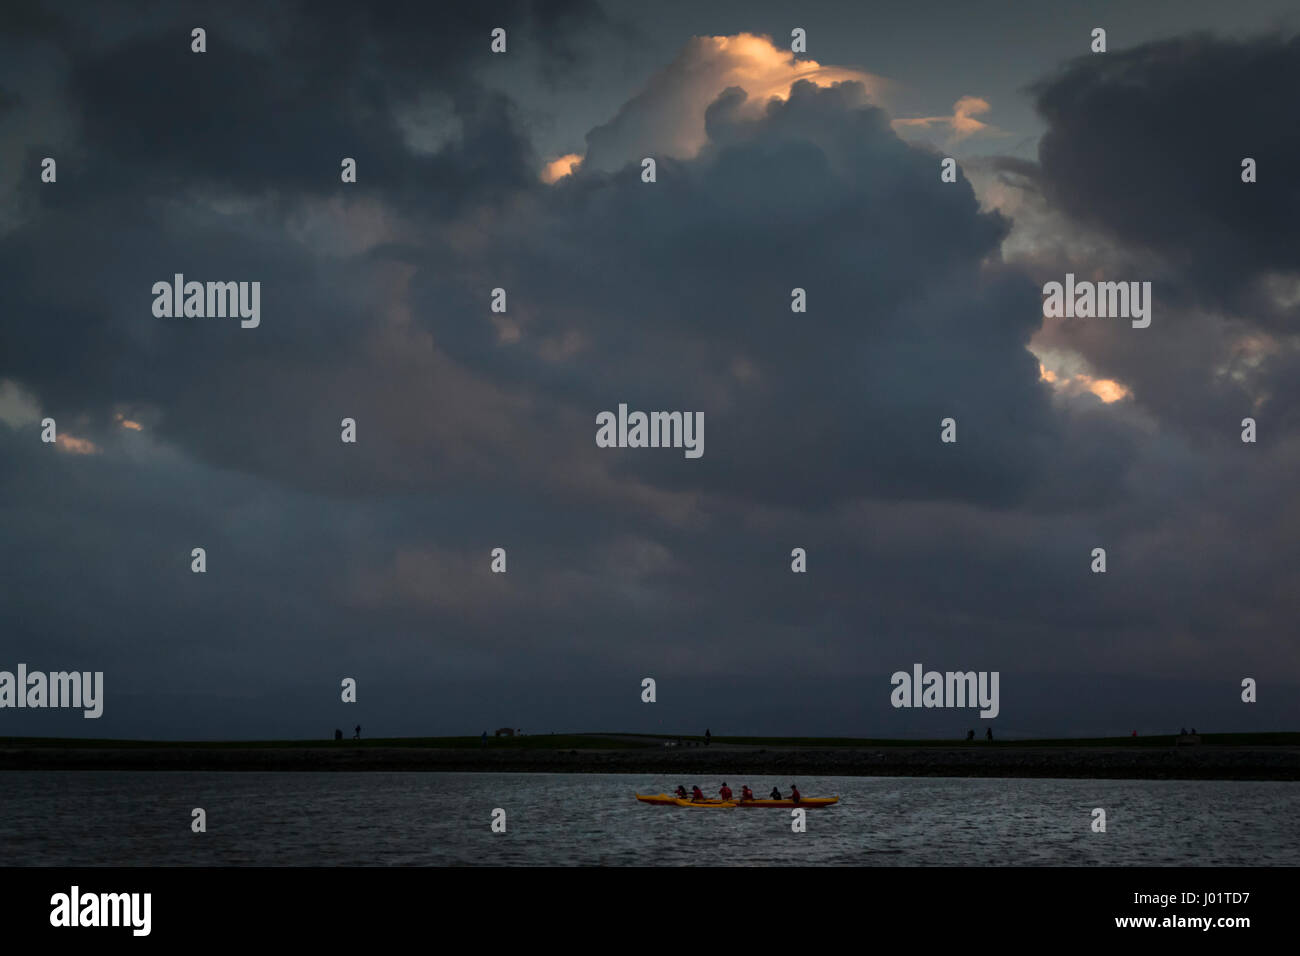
(476,430)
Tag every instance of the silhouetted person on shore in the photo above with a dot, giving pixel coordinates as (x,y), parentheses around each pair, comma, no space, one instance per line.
(970,735)
(988,734)
(338,734)
(357,735)
(775,794)
(483,739)
(707,736)
(1193,731)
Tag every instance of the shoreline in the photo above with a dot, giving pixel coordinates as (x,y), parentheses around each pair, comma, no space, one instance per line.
(1279,763)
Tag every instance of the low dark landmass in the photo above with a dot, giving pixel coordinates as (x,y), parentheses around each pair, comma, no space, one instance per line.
(1274,756)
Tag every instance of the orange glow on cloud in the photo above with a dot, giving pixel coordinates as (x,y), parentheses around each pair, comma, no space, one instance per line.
(764,70)
(1107,389)
(668,116)
(76,446)
(557,169)
(962,120)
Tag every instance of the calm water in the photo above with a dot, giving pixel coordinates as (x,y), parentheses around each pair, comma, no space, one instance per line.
(430,819)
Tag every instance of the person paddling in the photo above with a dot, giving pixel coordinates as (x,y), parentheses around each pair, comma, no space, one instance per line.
(776,794)
(746,793)
(681,792)
(794,793)
(725,792)
(697,794)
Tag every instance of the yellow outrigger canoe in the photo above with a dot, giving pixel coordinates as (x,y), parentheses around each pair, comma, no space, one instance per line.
(668,800)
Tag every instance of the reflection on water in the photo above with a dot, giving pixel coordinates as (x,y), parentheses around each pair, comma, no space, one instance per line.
(423,819)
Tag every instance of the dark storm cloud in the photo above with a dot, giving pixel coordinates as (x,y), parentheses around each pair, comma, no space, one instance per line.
(1140,179)
(285,91)
(904,325)
(206,165)
(1147,143)
(677,295)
